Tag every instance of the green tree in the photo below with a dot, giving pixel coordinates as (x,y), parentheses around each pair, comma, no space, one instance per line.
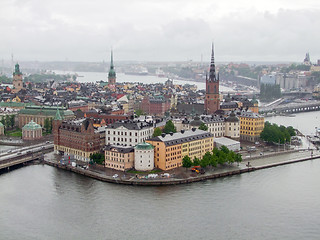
(157,132)
(196,161)
(203,127)
(169,127)
(186,162)
(47,125)
(97,158)
(12,120)
(139,112)
(205,161)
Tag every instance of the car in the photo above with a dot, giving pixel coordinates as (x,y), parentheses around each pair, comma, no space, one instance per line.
(18,153)
(115,176)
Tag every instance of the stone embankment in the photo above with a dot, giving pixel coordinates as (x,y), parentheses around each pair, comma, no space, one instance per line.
(250,166)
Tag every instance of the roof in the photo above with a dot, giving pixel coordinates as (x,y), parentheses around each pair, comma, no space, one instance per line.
(196,122)
(121,149)
(47,111)
(182,137)
(31,126)
(225,141)
(144,146)
(250,114)
(232,118)
(130,125)
(1,125)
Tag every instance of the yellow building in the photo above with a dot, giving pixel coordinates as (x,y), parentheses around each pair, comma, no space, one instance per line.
(251,125)
(119,157)
(170,149)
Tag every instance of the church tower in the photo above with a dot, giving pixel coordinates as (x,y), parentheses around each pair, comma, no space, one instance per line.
(56,123)
(112,73)
(212,100)
(17,79)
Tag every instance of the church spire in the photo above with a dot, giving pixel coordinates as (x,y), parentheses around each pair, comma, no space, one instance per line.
(58,115)
(112,73)
(212,74)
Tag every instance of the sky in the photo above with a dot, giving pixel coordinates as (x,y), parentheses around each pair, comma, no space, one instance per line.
(159,30)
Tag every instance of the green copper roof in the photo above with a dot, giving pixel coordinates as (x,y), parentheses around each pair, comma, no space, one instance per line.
(58,115)
(17,70)
(112,72)
(14,104)
(45,111)
(31,126)
(144,146)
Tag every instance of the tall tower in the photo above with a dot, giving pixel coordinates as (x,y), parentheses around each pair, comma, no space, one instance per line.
(56,123)
(17,79)
(112,73)
(212,100)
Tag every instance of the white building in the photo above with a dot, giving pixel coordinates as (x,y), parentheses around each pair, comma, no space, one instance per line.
(229,143)
(144,157)
(128,133)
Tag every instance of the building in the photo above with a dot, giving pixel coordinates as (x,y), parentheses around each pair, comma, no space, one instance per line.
(144,157)
(112,73)
(31,131)
(108,118)
(40,113)
(169,149)
(227,142)
(1,129)
(155,106)
(17,79)
(232,126)
(212,99)
(119,157)
(251,125)
(128,133)
(75,137)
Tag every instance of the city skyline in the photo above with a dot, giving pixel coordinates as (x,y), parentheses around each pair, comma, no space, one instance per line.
(159,31)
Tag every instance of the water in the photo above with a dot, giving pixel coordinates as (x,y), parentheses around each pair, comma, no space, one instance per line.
(306,122)
(41,202)
(146,79)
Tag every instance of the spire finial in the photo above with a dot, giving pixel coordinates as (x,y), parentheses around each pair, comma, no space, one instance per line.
(212,74)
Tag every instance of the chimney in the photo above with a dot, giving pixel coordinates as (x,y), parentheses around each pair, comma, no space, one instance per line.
(193,129)
(182,131)
(171,133)
(163,135)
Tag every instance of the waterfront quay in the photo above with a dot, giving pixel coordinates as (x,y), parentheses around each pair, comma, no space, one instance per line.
(184,176)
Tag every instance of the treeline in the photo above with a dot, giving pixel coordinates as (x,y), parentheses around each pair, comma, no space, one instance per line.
(292,67)
(269,92)
(4,79)
(272,133)
(8,121)
(217,156)
(45,77)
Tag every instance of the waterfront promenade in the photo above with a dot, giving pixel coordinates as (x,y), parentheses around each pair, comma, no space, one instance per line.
(183,176)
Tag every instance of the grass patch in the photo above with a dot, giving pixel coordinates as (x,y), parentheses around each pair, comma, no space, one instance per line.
(147,172)
(14,133)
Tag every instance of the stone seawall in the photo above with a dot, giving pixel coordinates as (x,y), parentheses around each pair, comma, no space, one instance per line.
(170,181)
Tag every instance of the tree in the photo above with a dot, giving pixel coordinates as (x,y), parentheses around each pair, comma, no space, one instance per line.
(169,127)
(12,120)
(272,133)
(203,127)
(97,158)
(139,112)
(196,161)
(157,132)
(186,162)
(47,125)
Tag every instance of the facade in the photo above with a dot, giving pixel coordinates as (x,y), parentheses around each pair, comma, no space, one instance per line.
(232,129)
(170,149)
(17,79)
(112,73)
(1,129)
(155,106)
(38,114)
(119,157)
(31,131)
(251,125)
(75,137)
(128,133)
(212,99)
(144,157)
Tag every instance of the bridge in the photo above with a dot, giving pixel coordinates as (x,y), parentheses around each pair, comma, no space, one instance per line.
(292,108)
(21,158)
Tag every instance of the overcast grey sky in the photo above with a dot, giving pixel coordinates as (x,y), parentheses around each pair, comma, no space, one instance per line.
(159,30)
